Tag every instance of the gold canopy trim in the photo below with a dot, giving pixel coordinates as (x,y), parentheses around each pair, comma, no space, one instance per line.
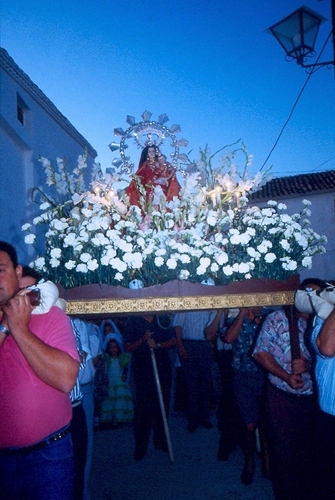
(121,306)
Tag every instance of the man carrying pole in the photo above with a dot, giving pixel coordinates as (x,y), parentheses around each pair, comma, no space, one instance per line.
(152,375)
(290,403)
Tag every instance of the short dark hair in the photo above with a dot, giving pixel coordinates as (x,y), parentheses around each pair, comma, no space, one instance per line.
(312,281)
(10,251)
(32,273)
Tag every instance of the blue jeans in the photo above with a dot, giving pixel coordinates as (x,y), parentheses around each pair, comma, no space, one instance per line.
(45,474)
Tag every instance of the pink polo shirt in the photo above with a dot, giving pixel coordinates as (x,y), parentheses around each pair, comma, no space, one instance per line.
(31,410)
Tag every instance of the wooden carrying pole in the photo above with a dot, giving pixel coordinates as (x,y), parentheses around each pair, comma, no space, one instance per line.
(161,403)
(294,333)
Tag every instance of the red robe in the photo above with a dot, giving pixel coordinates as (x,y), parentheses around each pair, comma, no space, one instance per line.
(150,175)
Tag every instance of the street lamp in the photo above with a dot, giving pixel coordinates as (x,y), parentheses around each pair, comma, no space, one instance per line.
(297,35)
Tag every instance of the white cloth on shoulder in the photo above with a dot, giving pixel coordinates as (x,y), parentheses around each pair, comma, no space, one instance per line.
(49,297)
(316,302)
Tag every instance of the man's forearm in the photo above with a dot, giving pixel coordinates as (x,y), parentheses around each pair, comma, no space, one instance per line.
(270,364)
(234,329)
(179,336)
(211,330)
(53,366)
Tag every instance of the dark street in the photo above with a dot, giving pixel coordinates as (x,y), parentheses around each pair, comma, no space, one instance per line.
(195,475)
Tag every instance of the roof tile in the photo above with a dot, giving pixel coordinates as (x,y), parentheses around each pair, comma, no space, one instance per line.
(296,185)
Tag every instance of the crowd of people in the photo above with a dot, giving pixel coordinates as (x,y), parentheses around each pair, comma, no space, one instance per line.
(269,375)
(60,377)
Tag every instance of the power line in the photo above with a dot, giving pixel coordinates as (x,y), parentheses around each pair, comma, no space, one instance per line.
(295,103)
(309,171)
(323,163)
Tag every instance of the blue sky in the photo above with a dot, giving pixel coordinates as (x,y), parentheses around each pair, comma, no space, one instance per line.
(209,65)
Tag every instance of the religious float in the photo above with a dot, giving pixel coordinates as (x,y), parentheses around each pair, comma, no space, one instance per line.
(110,256)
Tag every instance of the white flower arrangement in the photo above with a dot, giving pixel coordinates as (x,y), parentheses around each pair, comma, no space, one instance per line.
(209,232)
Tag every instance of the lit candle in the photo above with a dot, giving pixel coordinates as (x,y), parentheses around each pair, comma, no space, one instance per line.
(238,199)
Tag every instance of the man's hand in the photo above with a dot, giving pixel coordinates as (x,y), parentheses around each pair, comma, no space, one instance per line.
(147,336)
(182,353)
(300,365)
(295,381)
(243,312)
(28,291)
(17,313)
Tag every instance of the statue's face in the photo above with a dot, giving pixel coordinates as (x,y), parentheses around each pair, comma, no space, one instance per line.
(151,152)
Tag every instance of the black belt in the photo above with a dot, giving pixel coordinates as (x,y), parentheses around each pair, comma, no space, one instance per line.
(36,447)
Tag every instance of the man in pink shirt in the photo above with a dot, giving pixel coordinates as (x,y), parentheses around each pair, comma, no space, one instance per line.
(38,368)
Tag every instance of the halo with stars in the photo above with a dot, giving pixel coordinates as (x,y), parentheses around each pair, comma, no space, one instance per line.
(144,133)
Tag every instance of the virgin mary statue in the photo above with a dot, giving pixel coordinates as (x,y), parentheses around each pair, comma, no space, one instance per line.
(154,175)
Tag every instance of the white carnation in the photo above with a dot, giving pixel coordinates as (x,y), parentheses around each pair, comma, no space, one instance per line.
(171,263)
(118,264)
(70,240)
(56,253)
(81,268)
(92,265)
(243,268)
(29,238)
(159,261)
(85,257)
(40,263)
(75,213)
(184,258)
(184,274)
(222,258)
(59,224)
(76,198)
(307,262)
(37,220)
(201,270)
(269,257)
(54,262)
(285,244)
(71,264)
(205,262)
(227,270)
(45,206)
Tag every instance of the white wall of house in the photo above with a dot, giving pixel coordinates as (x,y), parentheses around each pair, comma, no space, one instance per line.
(323,222)
(36,129)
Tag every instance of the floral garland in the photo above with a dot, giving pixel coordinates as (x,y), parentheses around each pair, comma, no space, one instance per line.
(209,232)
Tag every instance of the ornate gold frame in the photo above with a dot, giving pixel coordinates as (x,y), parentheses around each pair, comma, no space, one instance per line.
(120,306)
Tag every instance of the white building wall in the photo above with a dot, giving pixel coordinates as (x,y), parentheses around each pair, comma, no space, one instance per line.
(45,132)
(323,222)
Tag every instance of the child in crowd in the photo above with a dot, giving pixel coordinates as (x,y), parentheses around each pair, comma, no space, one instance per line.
(117,407)
(107,327)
